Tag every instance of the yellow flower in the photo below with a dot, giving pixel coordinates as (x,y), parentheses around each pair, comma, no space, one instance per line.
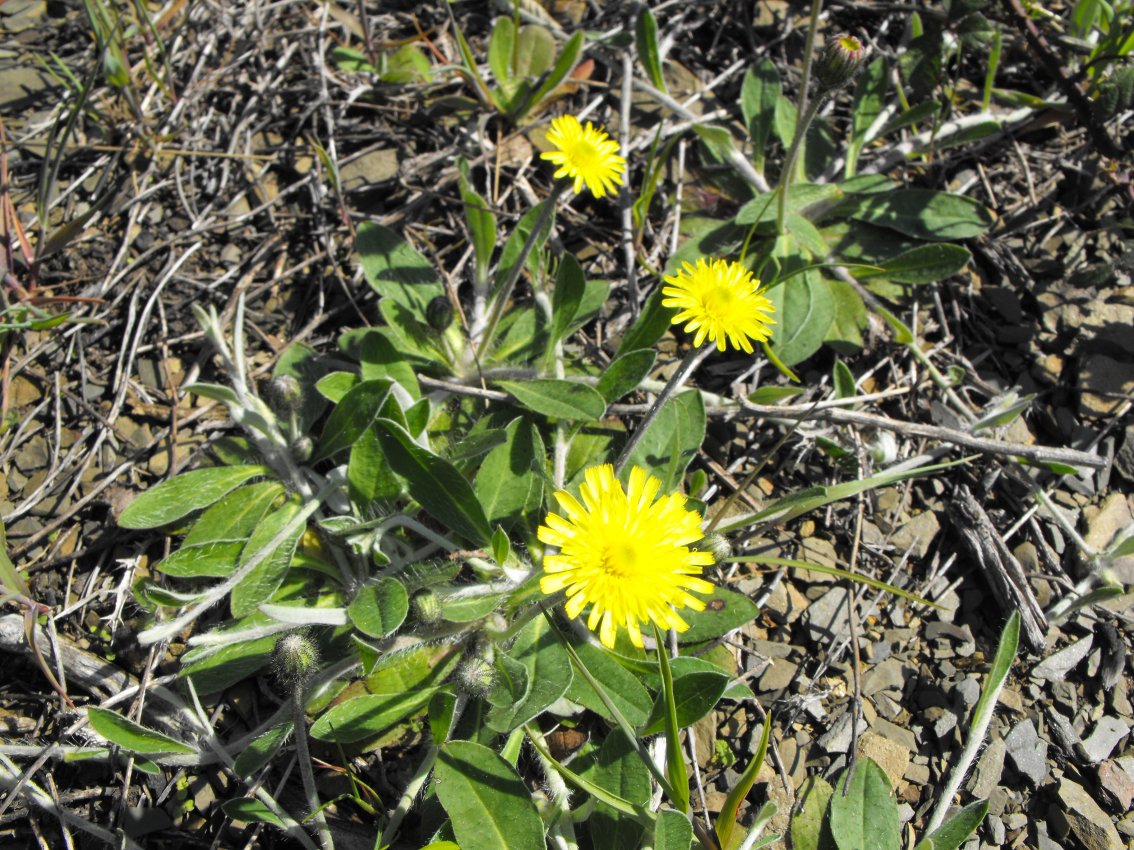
(624,554)
(719,299)
(586,155)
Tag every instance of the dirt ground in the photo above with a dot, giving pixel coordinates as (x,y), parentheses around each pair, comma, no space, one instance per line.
(238,156)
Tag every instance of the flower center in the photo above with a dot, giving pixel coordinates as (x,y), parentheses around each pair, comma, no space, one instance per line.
(719,302)
(620,560)
(584,155)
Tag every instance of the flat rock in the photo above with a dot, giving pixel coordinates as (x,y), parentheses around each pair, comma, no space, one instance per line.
(989,767)
(1104,738)
(1117,786)
(827,617)
(370,169)
(1103,383)
(917,534)
(1104,523)
(779,675)
(1088,823)
(1057,665)
(1027,752)
(890,675)
(889,755)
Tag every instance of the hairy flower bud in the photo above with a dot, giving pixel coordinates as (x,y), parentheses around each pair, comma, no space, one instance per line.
(303,448)
(439,313)
(475,677)
(716,544)
(426,607)
(295,660)
(283,395)
(839,62)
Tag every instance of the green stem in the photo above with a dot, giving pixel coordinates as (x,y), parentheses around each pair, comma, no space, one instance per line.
(805,119)
(691,361)
(303,756)
(502,295)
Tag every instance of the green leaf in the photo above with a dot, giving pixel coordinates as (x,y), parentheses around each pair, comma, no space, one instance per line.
(652,322)
(646,41)
(810,826)
(435,484)
(395,270)
(864,813)
(844,380)
(569,287)
(758,95)
(501,49)
(415,669)
(368,475)
(548,676)
(334,385)
(229,665)
(535,46)
(378,609)
(352,416)
(673,831)
(845,333)
(625,373)
(675,769)
(303,363)
(621,686)
(508,484)
(694,696)
(11,580)
(488,804)
(568,56)
(557,399)
(251,810)
(368,716)
(724,611)
(515,244)
(480,218)
(672,440)
(259,585)
(133,736)
(923,214)
(956,830)
(902,334)
(773,395)
(617,771)
(214,543)
(380,360)
(188,492)
(869,99)
(804,312)
(261,750)
(924,264)
(726,821)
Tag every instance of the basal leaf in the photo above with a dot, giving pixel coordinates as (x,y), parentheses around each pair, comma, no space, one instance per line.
(672,439)
(863,814)
(557,399)
(133,736)
(804,312)
(924,214)
(353,415)
(507,483)
(395,270)
(259,585)
(378,609)
(625,373)
(188,492)
(368,716)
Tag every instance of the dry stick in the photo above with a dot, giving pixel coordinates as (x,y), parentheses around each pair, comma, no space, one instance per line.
(624,198)
(691,361)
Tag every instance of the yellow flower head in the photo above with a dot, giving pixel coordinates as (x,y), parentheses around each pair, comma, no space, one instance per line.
(624,554)
(586,155)
(719,299)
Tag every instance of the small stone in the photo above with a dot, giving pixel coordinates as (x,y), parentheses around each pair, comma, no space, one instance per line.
(778,676)
(1104,523)
(826,618)
(1087,822)
(889,755)
(1117,786)
(945,724)
(1063,733)
(994,828)
(917,534)
(1105,737)
(917,774)
(369,169)
(968,691)
(989,767)
(897,734)
(890,675)
(1027,752)
(1058,665)
(1103,383)
(837,739)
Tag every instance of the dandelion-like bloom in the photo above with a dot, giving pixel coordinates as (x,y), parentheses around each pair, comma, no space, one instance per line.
(587,155)
(624,554)
(720,300)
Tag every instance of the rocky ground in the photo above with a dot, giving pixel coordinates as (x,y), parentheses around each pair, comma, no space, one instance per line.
(216,182)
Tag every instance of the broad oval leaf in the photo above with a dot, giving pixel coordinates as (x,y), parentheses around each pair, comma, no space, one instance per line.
(923,214)
(378,609)
(435,483)
(805,309)
(724,611)
(133,736)
(507,483)
(548,671)
(810,826)
(557,399)
(694,696)
(673,831)
(625,373)
(487,802)
(261,750)
(188,492)
(672,440)
(395,270)
(864,814)
(367,716)
(923,264)
(353,415)
(621,686)
(279,534)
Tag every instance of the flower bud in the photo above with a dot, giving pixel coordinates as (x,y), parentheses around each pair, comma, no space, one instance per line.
(283,395)
(439,313)
(303,448)
(295,660)
(716,544)
(475,677)
(839,62)
(426,607)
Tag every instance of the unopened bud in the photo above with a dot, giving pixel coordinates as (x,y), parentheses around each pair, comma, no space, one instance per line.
(475,677)
(717,545)
(439,313)
(841,58)
(295,660)
(426,607)
(302,449)
(283,395)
